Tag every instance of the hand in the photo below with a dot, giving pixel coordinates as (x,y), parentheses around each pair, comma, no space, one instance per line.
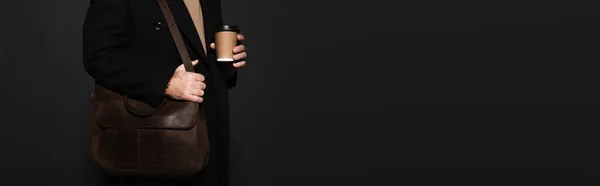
(238,51)
(187,86)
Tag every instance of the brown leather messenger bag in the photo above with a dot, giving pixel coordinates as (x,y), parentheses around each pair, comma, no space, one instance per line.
(130,138)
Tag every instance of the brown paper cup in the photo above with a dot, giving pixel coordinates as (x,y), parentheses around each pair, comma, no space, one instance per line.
(225,41)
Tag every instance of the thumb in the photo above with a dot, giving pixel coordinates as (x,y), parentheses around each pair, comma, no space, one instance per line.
(182,67)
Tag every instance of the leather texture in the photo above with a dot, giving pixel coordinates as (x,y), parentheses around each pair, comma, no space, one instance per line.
(131,138)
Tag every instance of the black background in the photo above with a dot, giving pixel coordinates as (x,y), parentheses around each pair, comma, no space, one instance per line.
(343,92)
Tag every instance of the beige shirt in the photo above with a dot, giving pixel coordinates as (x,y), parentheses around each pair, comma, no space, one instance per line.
(195,10)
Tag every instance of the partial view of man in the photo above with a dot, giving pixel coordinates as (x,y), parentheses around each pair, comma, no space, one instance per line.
(127,48)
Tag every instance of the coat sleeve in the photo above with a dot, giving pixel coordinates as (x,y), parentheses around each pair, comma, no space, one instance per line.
(113,62)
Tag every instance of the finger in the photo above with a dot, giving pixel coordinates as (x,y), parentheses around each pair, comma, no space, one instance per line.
(212,45)
(240,56)
(239,48)
(198,99)
(201,85)
(198,92)
(195,62)
(194,98)
(198,77)
(190,77)
(239,64)
(197,85)
(241,37)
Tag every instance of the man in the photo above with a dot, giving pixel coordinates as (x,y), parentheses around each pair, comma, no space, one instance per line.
(127,48)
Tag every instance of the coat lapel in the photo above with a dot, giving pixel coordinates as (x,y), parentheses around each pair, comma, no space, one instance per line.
(186,26)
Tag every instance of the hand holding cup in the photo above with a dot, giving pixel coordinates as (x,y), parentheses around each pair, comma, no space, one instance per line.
(226,40)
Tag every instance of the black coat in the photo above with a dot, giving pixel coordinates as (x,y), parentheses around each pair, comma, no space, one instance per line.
(127,47)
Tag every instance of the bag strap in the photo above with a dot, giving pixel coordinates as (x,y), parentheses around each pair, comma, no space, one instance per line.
(187,63)
(183,53)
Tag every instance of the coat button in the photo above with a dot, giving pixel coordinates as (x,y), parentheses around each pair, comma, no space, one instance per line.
(157,26)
